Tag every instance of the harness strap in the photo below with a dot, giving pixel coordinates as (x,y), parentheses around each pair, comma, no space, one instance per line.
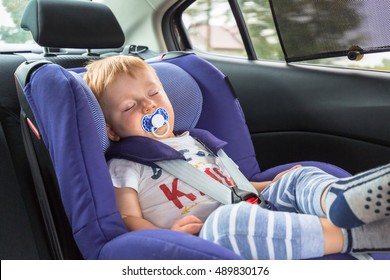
(243,191)
(190,175)
(246,191)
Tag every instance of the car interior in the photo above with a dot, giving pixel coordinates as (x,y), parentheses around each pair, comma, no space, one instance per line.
(56,194)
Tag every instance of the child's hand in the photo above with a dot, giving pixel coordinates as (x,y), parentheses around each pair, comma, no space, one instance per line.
(188,224)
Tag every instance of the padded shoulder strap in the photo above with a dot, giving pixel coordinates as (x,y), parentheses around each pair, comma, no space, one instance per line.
(208,139)
(142,150)
(148,151)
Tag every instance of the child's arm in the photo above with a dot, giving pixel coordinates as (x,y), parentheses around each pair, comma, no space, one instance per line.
(128,205)
(130,209)
(260,186)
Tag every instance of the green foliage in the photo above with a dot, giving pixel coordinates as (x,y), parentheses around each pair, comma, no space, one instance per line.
(14,34)
(258,18)
(260,24)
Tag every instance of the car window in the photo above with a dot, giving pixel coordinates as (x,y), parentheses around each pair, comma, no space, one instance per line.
(211,27)
(11,12)
(310,29)
(261,27)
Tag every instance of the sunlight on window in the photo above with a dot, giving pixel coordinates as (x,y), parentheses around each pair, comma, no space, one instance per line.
(5,18)
(260,24)
(212,28)
(11,12)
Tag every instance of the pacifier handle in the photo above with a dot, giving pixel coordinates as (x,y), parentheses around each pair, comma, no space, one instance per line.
(164,134)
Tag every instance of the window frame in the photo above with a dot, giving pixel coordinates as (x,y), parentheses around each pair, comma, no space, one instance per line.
(172,21)
(177,38)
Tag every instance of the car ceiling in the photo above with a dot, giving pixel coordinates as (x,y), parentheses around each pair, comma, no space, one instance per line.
(143,27)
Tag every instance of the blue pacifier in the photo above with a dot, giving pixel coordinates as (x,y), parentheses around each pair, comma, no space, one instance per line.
(152,122)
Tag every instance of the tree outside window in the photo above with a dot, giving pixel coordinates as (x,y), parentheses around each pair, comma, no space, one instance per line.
(11,15)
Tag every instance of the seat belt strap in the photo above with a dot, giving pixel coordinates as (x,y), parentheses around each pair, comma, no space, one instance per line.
(239,178)
(243,191)
(192,176)
(244,187)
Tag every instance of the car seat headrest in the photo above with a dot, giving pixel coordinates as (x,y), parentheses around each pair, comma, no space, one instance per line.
(72,24)
(182,90)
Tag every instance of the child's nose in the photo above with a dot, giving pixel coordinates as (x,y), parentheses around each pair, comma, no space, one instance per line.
(149,106)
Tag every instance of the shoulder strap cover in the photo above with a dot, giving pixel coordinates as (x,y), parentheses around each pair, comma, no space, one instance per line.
(147,151)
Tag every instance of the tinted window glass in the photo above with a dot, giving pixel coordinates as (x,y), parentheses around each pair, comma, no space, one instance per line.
(318,29)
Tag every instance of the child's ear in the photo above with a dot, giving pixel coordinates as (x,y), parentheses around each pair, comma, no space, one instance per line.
(112,134)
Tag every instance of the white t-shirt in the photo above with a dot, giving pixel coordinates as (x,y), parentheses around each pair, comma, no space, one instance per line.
(163,198)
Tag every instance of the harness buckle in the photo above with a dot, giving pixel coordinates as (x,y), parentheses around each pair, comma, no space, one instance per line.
(252,198)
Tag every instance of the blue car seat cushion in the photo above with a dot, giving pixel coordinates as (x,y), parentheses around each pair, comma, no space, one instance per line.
(163,245)
(269,174)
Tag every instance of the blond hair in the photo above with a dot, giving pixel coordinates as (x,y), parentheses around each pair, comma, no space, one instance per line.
(102,73)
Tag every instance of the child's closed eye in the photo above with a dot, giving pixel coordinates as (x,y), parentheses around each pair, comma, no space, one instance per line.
(154,93)
(129,107)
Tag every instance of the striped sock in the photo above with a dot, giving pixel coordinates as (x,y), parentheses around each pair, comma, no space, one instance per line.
(361,199)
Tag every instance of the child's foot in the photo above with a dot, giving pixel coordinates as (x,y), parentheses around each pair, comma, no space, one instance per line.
(360,199)
(369,238)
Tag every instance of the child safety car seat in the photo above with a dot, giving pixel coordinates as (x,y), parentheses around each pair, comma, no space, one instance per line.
(64,133)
